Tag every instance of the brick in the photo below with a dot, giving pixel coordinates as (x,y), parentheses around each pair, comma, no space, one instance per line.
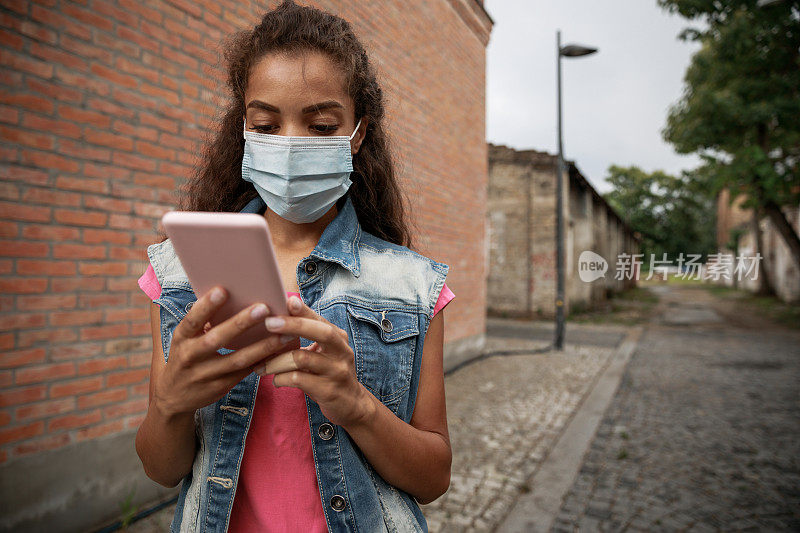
(161,123)
(44,409)
(86,50)
(21,321)
(128,377)
(21,432)
(29,176)
(76,351)
(25,64)
(107,172)
(137,69)
(127,222)
(102,269)
(46,302)
(83,150)
(135,254)
(138,39)
(104,138)
(99,430)
(76,387)
(113,76)
(77,284)
(48,233)
(9,114)
(133,161)
(104,300)
(41,445)
(23,249)
(19,358)
(22,286)
(6,341)
(91,18)
(56,20)
(76,318)
(131,407)
(6,266)
(35,374)
(9,191)
(154,150)
(110,107)
(131,130)
(102,398)
(74,421)
(78,251)
(52,54)
(90,84)
(50,161)
(105,203)
(37,195)
(48,337)
(104,332)
(8,229)
(96,366)
(57,127)
(96,236)
(110,42)
(20,395)
(46,267)
(127,315)
(82,184)
(54,91)
(26,137)
(84,116)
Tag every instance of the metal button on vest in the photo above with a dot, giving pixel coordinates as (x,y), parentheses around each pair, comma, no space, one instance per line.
(337,502)
(325,431)
(311,267)
(386,325)
(189,306)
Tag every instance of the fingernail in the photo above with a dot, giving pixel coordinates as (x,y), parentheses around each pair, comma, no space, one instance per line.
(294,303)
(274,322)
(259,311)
(216,296)
(286,338)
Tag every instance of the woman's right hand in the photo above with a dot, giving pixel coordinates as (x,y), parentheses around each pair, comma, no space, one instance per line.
(196,375)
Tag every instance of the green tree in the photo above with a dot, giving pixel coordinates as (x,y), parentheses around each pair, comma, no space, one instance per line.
(673,214)
(741,105)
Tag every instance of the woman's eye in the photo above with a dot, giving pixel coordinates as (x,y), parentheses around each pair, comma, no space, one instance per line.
(324,128)
(265,128)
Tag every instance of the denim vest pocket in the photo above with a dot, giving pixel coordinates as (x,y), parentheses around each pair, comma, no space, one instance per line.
(384,340)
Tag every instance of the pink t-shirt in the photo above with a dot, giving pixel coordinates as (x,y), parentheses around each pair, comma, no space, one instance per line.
(277,489)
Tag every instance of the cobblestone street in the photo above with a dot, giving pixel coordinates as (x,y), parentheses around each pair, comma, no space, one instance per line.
(704,432)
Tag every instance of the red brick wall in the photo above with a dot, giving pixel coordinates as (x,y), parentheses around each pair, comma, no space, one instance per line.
(102,105)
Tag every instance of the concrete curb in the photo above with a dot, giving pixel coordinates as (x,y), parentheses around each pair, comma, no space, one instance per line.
(536,510)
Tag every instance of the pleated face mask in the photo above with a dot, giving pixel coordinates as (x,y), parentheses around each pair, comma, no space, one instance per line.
(299,178)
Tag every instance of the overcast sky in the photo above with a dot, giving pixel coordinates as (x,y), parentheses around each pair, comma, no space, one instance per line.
(615,101)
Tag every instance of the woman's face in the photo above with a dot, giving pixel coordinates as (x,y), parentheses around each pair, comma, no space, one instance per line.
(300,94)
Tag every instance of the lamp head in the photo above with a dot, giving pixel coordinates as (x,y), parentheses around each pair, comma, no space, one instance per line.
(576,50)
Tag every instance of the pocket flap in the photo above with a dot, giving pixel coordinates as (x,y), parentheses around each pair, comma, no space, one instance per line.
(393,325)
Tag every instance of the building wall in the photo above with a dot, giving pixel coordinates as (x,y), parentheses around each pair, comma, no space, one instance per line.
(778,260)
(103,106)
(521,218)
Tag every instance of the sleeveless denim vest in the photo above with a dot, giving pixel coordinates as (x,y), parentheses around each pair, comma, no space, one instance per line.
(383,296)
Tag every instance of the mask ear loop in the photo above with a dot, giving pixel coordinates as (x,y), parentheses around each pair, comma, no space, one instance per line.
(355,130)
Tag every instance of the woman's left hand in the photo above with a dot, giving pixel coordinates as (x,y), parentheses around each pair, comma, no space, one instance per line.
(324,370)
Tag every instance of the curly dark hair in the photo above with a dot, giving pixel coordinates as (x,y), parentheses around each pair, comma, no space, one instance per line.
(217,184)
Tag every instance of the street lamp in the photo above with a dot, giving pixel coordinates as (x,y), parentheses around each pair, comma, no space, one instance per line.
(570,50)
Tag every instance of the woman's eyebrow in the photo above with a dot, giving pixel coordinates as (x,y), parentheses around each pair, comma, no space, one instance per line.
(258,104)
(322,106)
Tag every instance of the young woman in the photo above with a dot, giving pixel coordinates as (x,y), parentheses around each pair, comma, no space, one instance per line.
(336,421)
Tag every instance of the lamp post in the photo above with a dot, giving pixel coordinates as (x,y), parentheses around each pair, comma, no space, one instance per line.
(570,50)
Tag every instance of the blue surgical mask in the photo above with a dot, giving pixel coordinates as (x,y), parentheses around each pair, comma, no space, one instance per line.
(299,178)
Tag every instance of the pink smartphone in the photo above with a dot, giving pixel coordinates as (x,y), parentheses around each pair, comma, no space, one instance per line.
(233,250)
